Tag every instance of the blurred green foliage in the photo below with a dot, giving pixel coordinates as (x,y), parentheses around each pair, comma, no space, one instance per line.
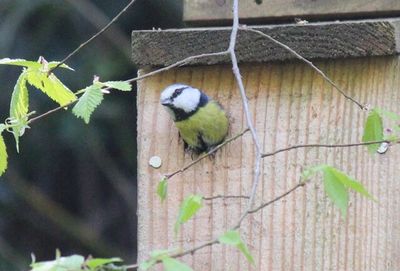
(73,186)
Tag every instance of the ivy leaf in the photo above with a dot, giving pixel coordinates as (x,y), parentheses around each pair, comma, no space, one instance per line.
(188,209)
(3,156)
(88,102)
(373,130)
(70,263)
(162,188)
(51,86)
(120,85)
(171,264)
(232,238)
(19,107)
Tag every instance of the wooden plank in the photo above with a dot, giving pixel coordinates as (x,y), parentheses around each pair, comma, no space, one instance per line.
(317,40)
(290,104)
(214,11)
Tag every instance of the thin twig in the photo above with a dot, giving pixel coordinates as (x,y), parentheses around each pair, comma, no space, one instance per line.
(179,63)
(360,105)
(324,146)
(236,72)
(301,184)
(94,36)
(182,253)
(170,175)
(226,197)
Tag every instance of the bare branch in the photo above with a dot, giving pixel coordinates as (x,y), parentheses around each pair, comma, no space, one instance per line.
(238,77)
(301,184)
(179,63)
(225,197)
(170,175)
(325,146)
(361,106)
(94,36)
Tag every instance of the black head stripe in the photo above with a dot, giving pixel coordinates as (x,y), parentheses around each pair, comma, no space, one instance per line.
(177,92)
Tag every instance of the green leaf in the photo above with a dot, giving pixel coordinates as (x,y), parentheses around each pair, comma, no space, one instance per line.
(98,262)
(120,85)
(51,86)
(19,107)
(156,255)
(162,188)
(349,182)
(3,156)
(31,64)
(147,264)
(20,62)
(88,102)
(336,185)
(373,130)
(391,115)
(171,264)
(336,191)
(188,209)
(70,263)
(232,238)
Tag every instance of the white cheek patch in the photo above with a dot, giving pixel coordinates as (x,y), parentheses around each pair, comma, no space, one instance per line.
(188,100)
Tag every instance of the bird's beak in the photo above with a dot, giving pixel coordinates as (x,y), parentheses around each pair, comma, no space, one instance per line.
(166,102)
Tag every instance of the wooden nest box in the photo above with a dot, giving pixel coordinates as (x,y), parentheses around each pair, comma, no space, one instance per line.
(290,104)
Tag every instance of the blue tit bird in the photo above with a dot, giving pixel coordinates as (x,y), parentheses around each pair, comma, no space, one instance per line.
(201,121)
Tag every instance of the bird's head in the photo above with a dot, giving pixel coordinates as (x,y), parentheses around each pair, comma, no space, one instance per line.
(182,100)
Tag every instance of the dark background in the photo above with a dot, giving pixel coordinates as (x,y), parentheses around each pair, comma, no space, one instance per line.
(73,186)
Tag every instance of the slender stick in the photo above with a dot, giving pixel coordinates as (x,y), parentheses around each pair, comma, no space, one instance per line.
(94,36)
(361,106)
(170,175)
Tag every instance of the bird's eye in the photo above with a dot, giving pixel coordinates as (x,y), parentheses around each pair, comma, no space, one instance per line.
(177,92)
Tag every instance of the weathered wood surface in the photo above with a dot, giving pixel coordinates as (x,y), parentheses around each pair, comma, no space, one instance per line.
(290,105)
(317,40)
(206,11)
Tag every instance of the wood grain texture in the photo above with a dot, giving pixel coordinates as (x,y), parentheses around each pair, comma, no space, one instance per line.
(206,11)
(290,105)
(317,40)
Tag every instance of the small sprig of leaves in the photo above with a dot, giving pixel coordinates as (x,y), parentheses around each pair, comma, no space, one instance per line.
(77,263)
(336,185)
(169,263)
(38,74)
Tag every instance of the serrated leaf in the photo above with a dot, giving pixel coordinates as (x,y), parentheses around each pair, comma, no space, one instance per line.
(98,262)
(147,264)
(348,182)
(120,85)
(88,102)
(232,238)
(19,107)
(162,189)
(171,264)
(20,62)
(3,156)
(373,130)
(336,191)
(51,86)
(31,64)
(156,255)
(70,263)
(188,209)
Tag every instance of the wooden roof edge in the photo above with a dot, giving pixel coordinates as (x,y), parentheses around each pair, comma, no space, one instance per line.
(326,40)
